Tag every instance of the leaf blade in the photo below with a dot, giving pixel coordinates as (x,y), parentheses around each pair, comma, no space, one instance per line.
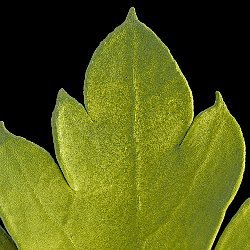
(197,218)
(115,110)
(134,173)
(29,179)
(236,234)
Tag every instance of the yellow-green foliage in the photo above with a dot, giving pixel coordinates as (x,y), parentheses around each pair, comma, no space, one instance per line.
(136,170)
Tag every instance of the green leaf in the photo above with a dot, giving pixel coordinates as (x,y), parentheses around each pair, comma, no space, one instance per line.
(137,172)
(237,233)
(6,243)
(35,198)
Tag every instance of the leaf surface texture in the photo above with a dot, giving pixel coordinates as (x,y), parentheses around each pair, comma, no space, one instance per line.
(136,171)
(237,233)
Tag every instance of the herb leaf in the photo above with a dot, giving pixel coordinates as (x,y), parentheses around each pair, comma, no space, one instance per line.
(137,172)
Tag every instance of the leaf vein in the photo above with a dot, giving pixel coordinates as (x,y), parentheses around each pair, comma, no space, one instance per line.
(199,169)
(134,123)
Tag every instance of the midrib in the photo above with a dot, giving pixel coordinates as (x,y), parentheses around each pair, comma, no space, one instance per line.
(135,142)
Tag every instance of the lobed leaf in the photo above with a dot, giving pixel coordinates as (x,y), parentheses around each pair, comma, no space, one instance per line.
(136,171)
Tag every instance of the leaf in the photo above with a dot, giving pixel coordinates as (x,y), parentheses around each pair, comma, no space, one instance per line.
(34,195)
(6,242)
(137,172)
(237,233)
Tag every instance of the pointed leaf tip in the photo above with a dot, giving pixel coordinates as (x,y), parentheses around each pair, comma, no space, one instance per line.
(62,95)
(218,98)
(61,92)
(131,16)
(3,132)
(2,125)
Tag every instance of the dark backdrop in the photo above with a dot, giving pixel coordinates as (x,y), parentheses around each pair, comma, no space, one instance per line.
(48,46)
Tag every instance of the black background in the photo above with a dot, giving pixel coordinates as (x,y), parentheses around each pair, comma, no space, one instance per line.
(48,46)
